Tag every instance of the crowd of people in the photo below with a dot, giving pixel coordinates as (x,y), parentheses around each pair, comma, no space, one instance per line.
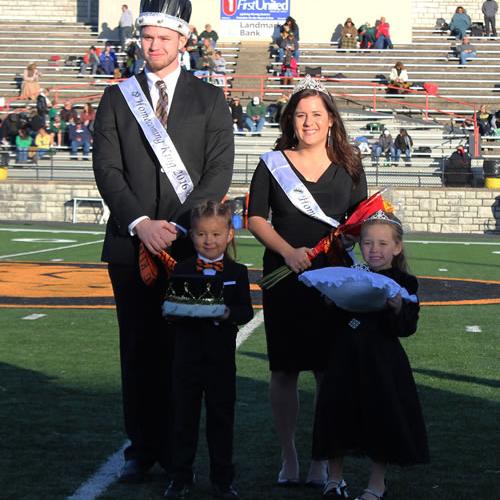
(44,129)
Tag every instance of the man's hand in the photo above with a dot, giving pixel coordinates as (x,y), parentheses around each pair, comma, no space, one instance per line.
(156,234)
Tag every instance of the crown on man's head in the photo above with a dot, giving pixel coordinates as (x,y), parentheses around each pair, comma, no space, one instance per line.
(310,83)
(172,14)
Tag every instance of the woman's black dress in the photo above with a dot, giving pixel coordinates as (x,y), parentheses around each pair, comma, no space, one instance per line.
(368,402)
(296,316)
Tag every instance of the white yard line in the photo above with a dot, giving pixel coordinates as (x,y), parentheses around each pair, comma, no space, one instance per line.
(50,249)
(107,474)
(424,242)
(54,231)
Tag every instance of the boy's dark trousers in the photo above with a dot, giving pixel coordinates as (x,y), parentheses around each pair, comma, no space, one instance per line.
(204,365)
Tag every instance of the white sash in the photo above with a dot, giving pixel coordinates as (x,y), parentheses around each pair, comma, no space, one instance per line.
(163,147)
(294,188)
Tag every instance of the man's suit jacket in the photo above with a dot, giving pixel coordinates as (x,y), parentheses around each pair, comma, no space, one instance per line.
(128,174)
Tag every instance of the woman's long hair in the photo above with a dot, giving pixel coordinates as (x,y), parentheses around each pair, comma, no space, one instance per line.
(339,149)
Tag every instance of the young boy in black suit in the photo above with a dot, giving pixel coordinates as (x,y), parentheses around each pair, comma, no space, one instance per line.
(204,353)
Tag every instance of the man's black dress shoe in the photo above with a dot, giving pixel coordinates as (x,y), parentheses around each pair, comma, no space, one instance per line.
(133,471)
(226,492)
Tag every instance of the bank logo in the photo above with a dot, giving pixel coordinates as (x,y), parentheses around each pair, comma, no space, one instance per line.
(229,7)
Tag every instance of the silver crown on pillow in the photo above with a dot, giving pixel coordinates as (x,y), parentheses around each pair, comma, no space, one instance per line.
(310,83)
(191,302)
(172,14)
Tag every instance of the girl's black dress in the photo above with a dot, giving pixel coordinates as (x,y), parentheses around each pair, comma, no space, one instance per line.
(368,402)
(295,316)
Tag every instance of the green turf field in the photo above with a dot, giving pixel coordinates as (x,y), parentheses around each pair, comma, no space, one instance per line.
(60,397)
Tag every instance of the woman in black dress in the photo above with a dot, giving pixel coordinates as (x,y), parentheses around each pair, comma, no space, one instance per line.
(315,151)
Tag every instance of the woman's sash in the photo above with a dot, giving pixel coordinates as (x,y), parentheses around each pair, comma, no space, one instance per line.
(163,147)
(294,188)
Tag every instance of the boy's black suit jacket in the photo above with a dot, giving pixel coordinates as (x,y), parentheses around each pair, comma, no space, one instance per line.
(128,174)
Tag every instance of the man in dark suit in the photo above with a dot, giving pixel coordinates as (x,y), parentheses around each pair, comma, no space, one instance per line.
(148,205)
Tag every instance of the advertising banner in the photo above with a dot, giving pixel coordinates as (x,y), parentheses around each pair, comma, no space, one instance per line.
(255,19)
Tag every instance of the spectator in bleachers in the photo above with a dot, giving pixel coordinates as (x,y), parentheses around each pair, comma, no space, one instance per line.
(43,143)
(274,110)
(367,36)
(457,169)
(10,128)
(42,104)
(206,48)
(23,143)
(293,27)
(192,45)
(125,25)
(460,23)
(398,78)
(80,137)
(87,116)
(489,10)
(219,63)
(383,146)
(134,61)
(204,68)
(55,130)
(36,122)
(465,51)
(68,115)
(382,35)
(90,60)
(209,34)
(485,121)
(289,68)
(30,87)
(108,61)
(403,144)
(281,44)
(256,112)
(348,37)
(237,114)
(184,59)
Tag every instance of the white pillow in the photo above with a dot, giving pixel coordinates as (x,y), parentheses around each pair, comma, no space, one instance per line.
(354,289)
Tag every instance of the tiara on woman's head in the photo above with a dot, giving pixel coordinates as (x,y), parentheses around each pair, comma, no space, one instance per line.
(309,83)
(381,215)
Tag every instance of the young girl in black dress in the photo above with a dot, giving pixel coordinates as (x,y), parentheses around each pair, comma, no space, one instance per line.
(204,365)
(368,403)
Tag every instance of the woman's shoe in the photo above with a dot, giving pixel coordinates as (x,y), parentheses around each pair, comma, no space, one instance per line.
(283,480)
(373,495)
(315,480)
(335,489)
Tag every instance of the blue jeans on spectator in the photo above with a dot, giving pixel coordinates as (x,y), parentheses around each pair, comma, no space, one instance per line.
(383,42)
(21,155)
(40,153)
(377,151)
(458,34)
(255,126)
(93,68)
(397,155)
(77,144)
(465,56)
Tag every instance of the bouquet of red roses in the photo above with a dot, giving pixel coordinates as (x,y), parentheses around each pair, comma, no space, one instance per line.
(331,244)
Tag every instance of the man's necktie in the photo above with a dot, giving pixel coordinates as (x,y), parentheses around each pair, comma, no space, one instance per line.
(162,105)
(218,265)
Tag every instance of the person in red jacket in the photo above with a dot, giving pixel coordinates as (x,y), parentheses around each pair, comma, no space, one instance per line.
(382,35)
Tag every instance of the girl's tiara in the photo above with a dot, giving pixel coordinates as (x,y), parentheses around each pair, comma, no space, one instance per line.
(309,83)
(382,216)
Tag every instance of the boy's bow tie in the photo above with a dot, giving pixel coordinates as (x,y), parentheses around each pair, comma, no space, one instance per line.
(218,265)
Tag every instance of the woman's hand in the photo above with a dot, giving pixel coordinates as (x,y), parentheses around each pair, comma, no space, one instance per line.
(395,303)
(297,259)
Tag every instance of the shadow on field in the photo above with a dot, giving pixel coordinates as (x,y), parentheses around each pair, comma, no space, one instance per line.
(458,378)
(52,437)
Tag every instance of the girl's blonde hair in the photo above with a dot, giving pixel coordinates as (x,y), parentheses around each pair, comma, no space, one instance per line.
(211,208)
(399,261)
